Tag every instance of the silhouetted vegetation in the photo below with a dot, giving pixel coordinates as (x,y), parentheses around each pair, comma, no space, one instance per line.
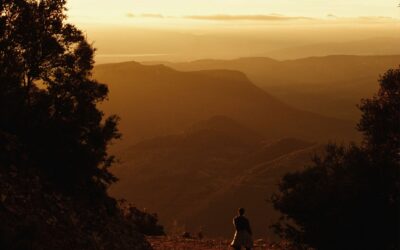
(144,222)
(53,138)
(349,198)
(48,98)
(36,217)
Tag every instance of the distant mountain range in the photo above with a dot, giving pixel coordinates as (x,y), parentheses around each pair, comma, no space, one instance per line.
(277,42)
(371,46)
(157,100)
(199,144)
(199,178)
(330,85)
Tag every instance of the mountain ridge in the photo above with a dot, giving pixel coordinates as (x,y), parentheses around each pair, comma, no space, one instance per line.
(329,85)
(171,101)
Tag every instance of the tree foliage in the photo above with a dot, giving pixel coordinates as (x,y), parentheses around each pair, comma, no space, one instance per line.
(380,121)
(142,221)
(48,99)
(349,198)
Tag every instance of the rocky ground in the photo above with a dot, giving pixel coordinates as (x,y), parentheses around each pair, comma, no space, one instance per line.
(179,243)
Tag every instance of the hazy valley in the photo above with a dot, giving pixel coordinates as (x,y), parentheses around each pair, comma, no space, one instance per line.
(199,125)
(215,137)
(197,178)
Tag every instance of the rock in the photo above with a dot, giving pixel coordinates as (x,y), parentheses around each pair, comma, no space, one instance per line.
(186,235)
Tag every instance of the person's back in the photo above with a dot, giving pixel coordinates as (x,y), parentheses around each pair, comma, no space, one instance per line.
(243,232)
(242,223)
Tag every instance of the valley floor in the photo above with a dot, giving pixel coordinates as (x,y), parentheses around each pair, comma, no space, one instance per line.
(178,243)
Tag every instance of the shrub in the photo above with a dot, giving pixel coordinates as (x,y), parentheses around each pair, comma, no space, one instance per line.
(349,197)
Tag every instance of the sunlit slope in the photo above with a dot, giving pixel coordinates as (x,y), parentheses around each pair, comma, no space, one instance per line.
(200,177)
(157,100)
(330,85)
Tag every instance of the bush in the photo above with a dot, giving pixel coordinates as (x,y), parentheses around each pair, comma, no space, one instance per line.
(349,197)
(143,222)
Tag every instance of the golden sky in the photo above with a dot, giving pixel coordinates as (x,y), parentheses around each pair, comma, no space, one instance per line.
(195,29)
(176,12)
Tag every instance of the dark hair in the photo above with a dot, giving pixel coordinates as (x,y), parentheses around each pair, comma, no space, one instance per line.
(241,211)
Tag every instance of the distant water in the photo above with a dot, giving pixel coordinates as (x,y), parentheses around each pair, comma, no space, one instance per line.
(114,58)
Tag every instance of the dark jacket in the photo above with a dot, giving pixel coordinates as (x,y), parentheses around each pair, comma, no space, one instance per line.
(242,224)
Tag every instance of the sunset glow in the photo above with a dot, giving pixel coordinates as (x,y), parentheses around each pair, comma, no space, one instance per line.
(160,12)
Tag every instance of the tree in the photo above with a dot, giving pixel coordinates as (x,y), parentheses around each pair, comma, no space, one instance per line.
(380,121)
(48,99)
(142,221)
(349,197)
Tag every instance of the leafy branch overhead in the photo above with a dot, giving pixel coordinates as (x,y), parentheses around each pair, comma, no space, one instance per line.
(48,99)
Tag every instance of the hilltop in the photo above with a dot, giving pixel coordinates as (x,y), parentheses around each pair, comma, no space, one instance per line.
(329,85)
(176,243)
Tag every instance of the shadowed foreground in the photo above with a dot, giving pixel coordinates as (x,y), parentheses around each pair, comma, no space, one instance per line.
(34,216)
(178,243)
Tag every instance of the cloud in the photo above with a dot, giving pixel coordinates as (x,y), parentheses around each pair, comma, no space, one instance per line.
(152,15)
(330,18)
(248,18)
(375,18)
(364,19)
(145,15)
